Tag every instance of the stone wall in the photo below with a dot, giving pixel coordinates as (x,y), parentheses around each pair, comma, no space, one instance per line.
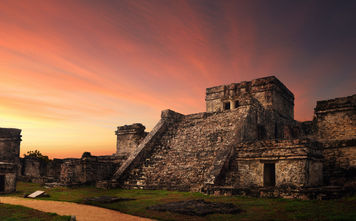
(336,118)
(70,171)
(89,169)
(335,128)
(39,170)
(340,162)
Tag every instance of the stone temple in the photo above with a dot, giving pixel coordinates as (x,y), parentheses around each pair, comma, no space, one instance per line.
(247,142)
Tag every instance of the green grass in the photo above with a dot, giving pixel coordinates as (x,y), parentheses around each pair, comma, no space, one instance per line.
(254,208)
(20,213)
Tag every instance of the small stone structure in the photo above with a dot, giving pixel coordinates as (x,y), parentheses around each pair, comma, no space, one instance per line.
(128,138)
(9,158)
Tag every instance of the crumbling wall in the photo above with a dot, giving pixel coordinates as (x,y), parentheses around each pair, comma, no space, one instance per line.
(340,162)
(31,167)
(40,170)
(89,169)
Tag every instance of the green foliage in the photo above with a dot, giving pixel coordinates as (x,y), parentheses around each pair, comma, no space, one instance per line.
(254,208)
(21,213)
(36,154)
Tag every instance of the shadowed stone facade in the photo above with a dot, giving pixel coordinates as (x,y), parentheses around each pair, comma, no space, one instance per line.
(9,158)
(247,140)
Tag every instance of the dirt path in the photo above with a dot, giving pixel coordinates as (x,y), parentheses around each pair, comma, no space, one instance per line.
(82,212)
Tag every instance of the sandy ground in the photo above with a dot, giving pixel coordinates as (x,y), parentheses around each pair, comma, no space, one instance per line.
(82,212)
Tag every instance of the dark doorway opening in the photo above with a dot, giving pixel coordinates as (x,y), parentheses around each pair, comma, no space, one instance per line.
(269,174)
(227,106)
(2,183)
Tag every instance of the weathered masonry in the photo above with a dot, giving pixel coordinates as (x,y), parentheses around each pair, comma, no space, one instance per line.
(247,142)
(9,158)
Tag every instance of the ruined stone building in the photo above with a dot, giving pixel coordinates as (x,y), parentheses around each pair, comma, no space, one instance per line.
(9,158)
(247,142)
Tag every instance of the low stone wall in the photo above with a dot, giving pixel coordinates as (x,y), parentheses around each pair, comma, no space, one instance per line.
(39,170)
(70,171)
(89,169)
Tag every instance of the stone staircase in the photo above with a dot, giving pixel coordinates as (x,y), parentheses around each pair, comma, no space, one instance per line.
(190,153)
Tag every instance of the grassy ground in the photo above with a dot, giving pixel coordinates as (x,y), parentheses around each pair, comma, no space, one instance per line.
(20,213)
(254,208)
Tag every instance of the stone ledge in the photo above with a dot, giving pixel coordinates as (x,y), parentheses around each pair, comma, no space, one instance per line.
(347,103)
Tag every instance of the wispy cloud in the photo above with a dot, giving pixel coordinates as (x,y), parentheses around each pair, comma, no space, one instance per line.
(71,71)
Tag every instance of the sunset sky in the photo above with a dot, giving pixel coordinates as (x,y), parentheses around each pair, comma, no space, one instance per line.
(72,71)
